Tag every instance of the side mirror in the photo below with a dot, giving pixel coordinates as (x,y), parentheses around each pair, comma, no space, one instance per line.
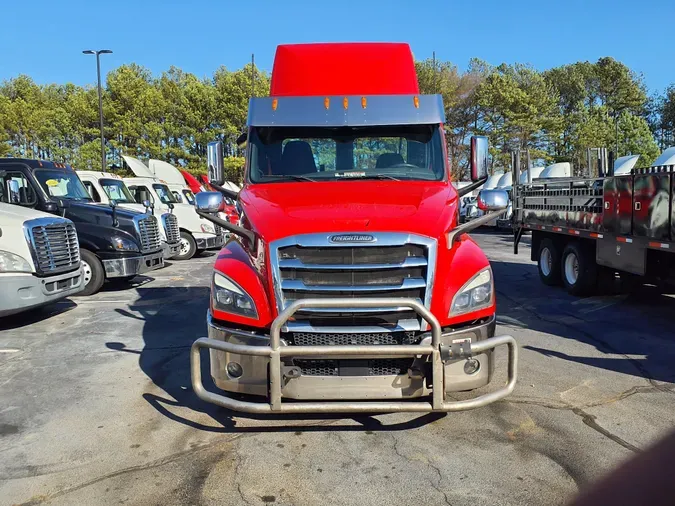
(214,160)
(479,158)
(113,206)
(146,203)
(14,197)
(171,206)
(493,200)
(208,202)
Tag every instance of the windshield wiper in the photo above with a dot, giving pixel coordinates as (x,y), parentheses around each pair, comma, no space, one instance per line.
(295,177)
(377,176)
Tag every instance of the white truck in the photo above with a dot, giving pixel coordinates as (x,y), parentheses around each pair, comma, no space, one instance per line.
(39,259)
(173,179)
(196,233)
(105,187)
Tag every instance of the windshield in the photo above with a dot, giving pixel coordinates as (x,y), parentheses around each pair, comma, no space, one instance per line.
(117,191)
(62,184)
(164,193)
(407,152)
(189,196)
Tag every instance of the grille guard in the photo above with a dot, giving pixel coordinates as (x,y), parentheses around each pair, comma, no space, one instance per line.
(275,352)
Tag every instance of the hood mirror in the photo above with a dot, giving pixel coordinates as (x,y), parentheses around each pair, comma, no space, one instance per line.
(493,200)
(208,202)
(113,206)
(214,160)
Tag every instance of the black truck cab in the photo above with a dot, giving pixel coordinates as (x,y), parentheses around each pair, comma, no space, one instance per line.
(114,243)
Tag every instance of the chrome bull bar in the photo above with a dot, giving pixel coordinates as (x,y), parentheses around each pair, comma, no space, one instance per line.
(275,351)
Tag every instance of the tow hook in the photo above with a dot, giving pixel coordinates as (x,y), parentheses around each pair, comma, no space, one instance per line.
(291,371)
(455,351)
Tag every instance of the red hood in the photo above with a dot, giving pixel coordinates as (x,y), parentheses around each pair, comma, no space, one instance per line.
(280,210)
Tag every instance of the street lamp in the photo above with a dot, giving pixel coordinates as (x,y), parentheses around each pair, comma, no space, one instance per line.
(100,98)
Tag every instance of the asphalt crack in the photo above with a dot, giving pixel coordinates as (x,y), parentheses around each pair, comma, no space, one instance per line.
(436,486)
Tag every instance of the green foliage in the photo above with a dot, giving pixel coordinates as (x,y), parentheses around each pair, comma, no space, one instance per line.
(556,114)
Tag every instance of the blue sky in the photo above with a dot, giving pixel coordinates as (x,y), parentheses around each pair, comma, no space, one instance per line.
(44,38)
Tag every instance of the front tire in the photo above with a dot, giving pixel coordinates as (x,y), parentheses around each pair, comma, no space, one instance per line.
(549,263)
(93,274)
(578,269)
(188,247)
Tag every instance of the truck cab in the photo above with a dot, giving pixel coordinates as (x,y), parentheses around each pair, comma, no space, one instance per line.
(349,285)
(114,243)
(39,257)
(173,179)
(105,187)
(196,233)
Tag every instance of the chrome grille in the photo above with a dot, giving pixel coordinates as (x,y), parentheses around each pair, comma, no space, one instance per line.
(54,245)
(171,228)
(149,232)
(392,265)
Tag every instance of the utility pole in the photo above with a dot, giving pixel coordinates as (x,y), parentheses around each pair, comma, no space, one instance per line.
(252,75)
(100,99)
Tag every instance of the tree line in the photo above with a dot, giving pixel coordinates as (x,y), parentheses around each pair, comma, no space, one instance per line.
(556,113)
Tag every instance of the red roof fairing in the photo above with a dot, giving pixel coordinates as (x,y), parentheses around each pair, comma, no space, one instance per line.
(365,68)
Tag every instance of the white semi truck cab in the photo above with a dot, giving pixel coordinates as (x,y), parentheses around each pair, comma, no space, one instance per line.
(196,233)
(105,187)
(39,259)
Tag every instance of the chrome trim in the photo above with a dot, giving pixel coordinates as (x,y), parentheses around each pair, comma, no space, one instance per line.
(401,326)
(381,239)
(28,233)
(381,110)
(171,228)
(294,263)
(373,310)
(130,266)
(210,242)
(156,241)
(299,286)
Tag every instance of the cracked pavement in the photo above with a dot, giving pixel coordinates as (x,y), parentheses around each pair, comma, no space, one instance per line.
(96,407)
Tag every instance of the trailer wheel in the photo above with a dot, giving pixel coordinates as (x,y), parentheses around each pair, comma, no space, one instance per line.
(188,247)
(93,274)
(549,263)
(578,269)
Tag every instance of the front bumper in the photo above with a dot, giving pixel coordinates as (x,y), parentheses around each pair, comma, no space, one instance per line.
(131,266)
(264,362)
(209,241)
(25,291)
(170,250)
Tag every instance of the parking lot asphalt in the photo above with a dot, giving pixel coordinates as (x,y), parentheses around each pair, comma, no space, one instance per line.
(96,406)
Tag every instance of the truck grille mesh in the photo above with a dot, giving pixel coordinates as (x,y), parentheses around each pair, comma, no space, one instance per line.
(379,367)
(171,228)
(359,339)
(55,247)
(149,232)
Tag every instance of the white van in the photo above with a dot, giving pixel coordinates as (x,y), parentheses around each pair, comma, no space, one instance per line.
(39,259)
(173,179)
(105,186)
(196,233)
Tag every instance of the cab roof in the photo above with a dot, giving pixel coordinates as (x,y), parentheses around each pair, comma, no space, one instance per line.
(36,164)
(358,68)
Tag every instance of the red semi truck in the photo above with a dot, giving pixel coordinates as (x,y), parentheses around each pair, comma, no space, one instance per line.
(349,284)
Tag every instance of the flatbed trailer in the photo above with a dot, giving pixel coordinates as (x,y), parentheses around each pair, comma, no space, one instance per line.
(586,230)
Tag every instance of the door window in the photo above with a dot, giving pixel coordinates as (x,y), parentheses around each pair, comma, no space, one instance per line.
(92,191)
(27,195)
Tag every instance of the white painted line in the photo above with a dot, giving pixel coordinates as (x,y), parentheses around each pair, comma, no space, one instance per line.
(9,350)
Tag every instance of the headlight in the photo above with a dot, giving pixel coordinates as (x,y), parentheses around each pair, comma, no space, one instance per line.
(9,262)
(474,295)
(123,244)
(207,228)
(229,297)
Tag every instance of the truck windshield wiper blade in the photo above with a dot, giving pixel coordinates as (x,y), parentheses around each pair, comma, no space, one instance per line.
(377,176)
(294,177)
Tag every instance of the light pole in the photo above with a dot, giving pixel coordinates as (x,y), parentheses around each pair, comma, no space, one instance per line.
(100,98)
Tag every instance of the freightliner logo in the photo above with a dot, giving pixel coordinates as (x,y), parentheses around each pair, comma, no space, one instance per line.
(352,238)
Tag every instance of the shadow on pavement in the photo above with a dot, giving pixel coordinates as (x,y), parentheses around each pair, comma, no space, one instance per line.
(629,325)
(36,315)
(174,317)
